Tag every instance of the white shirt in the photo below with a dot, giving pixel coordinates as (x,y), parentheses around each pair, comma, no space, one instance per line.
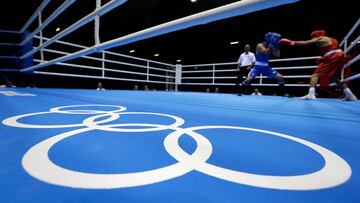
(258,94)
(100,89)
(246,59)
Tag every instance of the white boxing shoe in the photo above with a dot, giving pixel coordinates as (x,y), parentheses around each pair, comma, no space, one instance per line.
(350,98)
(308,97)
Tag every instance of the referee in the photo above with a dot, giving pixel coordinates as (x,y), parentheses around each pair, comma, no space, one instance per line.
(245,63)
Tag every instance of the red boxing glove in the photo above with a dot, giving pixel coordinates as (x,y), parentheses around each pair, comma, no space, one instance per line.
(287,42)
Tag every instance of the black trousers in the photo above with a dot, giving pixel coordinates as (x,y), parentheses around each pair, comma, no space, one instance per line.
(240,74)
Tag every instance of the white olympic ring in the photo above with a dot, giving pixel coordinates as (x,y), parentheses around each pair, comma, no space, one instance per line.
(90,122)
(36,162)
(13,121)
(49,172)
(60,109)
(333,165)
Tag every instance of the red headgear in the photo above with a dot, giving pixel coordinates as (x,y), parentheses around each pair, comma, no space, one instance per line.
(318,33)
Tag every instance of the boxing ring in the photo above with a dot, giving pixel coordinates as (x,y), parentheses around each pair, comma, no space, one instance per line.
(156,146)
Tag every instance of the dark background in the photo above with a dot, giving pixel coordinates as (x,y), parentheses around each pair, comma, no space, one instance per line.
(201,44)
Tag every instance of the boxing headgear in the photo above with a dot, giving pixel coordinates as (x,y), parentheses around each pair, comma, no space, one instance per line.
(273,38)
(318,33)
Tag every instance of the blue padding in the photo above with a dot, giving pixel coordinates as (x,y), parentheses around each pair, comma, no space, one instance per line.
(29,61)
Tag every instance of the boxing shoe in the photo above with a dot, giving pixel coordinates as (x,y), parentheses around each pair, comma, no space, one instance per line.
(350,98)
(308,97)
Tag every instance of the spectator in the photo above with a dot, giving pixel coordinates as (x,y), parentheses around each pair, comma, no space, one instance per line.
(100,86)
(256,92)
(8,83)
(146,88)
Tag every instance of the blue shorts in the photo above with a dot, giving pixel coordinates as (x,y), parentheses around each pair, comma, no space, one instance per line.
(264,70)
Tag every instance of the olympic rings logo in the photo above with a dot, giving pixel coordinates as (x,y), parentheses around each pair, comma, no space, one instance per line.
(36,162)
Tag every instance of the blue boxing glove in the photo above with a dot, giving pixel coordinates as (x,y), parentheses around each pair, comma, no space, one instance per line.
(271,46)
(273,38)
(274,45)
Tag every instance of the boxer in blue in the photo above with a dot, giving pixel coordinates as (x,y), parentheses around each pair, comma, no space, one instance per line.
(264,50)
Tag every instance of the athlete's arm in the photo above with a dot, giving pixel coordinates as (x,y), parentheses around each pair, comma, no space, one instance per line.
(307,42)
(299,43)
(275,52)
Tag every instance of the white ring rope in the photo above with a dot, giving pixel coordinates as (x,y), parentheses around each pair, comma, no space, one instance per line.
(223,12)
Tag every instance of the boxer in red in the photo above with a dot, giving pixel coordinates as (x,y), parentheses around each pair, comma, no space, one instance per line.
(329,65)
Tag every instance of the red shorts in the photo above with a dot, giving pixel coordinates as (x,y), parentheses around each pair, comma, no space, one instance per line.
(330,65)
